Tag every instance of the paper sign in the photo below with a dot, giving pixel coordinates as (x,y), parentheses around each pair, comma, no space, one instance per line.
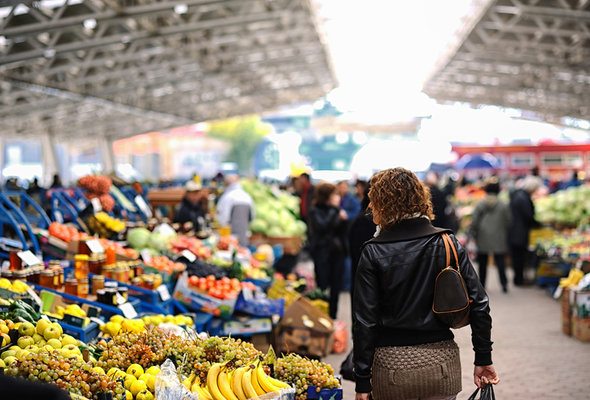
(94,246)
(28,258)
(247,293)
(146,256)
(189,256)
(143,206)
(164,293)
(128,310)
(96,204)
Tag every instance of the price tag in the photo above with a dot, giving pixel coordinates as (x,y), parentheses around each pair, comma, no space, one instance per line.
(143,206)
(247,293)
(189,256)
(146,256)
(28,258)
(163,291)
(96,204)
(128,310)
(94,246)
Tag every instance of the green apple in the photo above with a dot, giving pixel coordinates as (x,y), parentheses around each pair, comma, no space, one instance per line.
(10,360)
(55,343)
(2,364)
(58,327)
(33,348)
(37,337)
(42,324)
(25,341)
(67,339)
(8,353)
(51,332)
(26,329)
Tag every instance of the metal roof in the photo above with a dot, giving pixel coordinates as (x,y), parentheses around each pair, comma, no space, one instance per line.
(117,68)
(525,54)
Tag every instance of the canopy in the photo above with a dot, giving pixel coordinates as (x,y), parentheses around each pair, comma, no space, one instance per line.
(525,54)
(116,68)
(477,161)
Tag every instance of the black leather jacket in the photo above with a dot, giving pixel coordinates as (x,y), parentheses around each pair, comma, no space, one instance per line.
(394,286)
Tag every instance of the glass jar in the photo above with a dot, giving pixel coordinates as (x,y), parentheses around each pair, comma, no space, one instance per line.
(124,293)
(95,263)
(81,266)
(83,287)
(110,256)
(15,261)
(8,274)
(46,279)
(71,286)
(111,285)
(35,274)
(21,275)
(58,276)
(97,283)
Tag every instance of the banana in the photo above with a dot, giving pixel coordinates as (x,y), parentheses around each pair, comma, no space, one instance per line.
(247,384)
(202,392)
(212,377)
(263,380)
(224,385)
(259,390)
(187,383)
(237,383)
(278,383)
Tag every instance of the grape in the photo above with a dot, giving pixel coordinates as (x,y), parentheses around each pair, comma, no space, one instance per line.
(302,372)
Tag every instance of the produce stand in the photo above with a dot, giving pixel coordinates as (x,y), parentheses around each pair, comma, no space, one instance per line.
(168,198)
(33,212)
(11,217)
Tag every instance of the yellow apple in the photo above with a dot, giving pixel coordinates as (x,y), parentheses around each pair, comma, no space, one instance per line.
(51,332)
(99,370)
(42,324)
(129,379)
(117,318)
(150,381)
(26,329)
(58,327)
(67,339)
(153,370)
(128,395)
(55,343)
(144,395)
(137,386)
(4,328)
(37,337)
(25,341)
(8,353)
(2,364)
(135,370)
(10,360)
(5,339)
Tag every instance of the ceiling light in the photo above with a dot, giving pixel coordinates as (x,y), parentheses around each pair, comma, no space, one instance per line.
(89,23)
(181,9)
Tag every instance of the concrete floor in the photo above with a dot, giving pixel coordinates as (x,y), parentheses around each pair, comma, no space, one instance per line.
(534,359)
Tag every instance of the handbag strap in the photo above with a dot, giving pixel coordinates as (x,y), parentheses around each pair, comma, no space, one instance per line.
(450,246)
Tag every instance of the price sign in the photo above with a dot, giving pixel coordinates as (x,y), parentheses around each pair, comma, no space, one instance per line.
(96,204)
(163,291)
(94,246)
(189,256)
(128,310)
(143,206)
(28,258)
(247,293)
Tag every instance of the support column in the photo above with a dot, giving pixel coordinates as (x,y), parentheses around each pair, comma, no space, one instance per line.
(50,165)
(2,150)
(107,154)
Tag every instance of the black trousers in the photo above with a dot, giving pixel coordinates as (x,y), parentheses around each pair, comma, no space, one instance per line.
(519,260)
(499,260)
(329,271)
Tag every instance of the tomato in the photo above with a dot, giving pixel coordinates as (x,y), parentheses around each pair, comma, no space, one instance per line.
(211,278)
(193,281)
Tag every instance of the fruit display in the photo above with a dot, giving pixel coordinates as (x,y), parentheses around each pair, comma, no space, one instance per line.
(67,233)
(97,186)
(165,264)
(105,226)
(19,311)
(573,279)
(71,309)
(142,239)
(17,286)
(194,245)
(222,289)
(302,373)
(113,224)
(570,207)
(277,212)
(118,324)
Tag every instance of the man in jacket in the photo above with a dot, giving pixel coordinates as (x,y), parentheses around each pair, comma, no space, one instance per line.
(191,209)
(236,209)
(523,220)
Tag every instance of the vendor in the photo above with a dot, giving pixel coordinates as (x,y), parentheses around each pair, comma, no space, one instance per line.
(193,207)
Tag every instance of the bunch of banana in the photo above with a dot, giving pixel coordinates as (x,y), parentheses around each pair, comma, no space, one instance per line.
(243,383)
(114,224)
(16,286)
(574,277)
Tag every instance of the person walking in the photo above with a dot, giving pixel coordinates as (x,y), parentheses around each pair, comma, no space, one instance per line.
(522,211)
(401,350)
(327,237)
(304,189)
(489,228)
(235,209)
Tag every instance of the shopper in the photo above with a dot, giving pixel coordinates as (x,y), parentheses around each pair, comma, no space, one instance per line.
(522,210)
(401,350)
(362,229)
(327,236)
(439,200)
(348,202)
(192,208)
(56,183)
(305,190)
(235,209)
(489,229)
(361,187)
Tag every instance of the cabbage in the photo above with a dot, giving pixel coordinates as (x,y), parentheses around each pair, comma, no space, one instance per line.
(138,238)
(258,225)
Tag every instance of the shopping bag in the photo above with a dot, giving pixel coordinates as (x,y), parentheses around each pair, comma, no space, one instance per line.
(347,368)
(487,393)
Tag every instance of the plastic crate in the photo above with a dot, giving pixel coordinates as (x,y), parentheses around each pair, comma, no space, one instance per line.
(264,307)
(324,394)
(85,334)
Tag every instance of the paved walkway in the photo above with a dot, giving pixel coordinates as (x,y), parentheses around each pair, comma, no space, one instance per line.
(534,359)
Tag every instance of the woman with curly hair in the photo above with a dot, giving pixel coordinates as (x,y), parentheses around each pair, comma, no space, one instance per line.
(401,350)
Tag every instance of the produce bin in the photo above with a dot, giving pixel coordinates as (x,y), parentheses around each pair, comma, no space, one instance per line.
(324,394)
(198,301)
(85,334)
(263,307)
(247,328)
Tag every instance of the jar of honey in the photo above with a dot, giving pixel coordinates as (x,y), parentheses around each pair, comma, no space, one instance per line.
(97,283)
(110,256)
(95,263)
(35,274)
(58,276)
(83,288)
(81,266)
(71,285)
(46,279)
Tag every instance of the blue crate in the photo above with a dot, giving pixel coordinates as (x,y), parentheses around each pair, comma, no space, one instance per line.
(85,334)
(263,284)
(260,307)
(324,394)
(215,327)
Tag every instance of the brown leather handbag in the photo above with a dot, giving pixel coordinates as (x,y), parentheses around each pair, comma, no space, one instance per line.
(451,303)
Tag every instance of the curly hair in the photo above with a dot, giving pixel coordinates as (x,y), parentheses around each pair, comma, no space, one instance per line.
(398,194)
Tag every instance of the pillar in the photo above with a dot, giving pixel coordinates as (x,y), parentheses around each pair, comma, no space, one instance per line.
(107,154)
(50,165)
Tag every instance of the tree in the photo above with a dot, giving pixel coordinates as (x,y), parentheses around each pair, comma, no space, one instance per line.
(244,134)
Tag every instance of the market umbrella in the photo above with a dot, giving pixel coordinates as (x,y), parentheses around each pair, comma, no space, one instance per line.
(477,161)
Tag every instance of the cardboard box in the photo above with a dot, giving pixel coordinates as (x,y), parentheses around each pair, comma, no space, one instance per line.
(581,328)
(305,330)
(261,341)
(566,313)
(200,301)
(581,304)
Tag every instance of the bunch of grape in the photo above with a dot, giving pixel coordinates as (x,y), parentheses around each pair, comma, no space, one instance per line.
(303,373)
(146,349)
(71,374)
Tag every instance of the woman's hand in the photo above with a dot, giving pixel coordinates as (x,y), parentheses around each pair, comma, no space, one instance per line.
(485,375)
(362,396)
